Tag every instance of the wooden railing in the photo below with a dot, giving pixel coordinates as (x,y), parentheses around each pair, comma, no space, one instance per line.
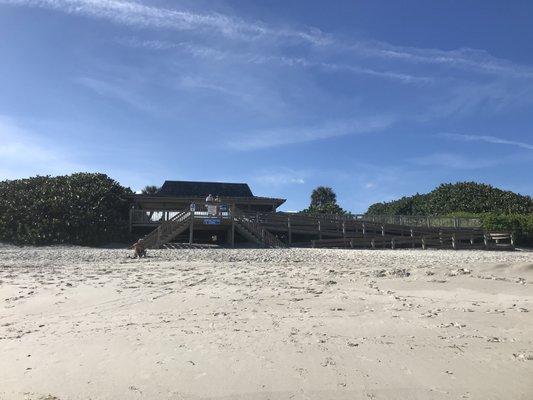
(166,228)
(253,224)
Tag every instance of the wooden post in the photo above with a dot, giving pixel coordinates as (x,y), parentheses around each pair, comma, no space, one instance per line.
(471,240)
(191,227)
(423,243)
(383,230)
(364,229)
(373,243)
(351,243)
(319,230)
(232,229)
(131,219)
(344,229)
(290,229)
(512,239)
(485,240)
(454,242)
(392,244)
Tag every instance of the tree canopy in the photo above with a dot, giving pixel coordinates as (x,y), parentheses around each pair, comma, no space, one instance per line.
(324,201)
(82,208)
(462,197)
(150,189)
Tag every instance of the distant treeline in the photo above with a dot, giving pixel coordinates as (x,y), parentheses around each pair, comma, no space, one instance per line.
(83,208)
(499,210)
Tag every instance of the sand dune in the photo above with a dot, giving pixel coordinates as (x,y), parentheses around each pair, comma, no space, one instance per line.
(80,323)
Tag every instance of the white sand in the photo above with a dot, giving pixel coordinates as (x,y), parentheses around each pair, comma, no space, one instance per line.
(78,323)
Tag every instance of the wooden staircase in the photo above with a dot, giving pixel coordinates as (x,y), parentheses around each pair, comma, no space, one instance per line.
(168,230)
(255,231)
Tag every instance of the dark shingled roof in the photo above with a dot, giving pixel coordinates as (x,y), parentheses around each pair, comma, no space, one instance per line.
(192,189)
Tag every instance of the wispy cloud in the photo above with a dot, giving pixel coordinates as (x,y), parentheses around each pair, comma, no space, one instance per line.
(456,161)
(286,136)
(212,53)
(139,15)
(279,177)
(118,91)
(488,139)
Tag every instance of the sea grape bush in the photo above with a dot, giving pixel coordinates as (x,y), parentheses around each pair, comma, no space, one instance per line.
(499,210)
(82,208)
(449,198)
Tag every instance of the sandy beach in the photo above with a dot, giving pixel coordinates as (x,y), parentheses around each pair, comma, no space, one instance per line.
(82,323)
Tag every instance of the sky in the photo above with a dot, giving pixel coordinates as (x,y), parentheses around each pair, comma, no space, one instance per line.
(377,99)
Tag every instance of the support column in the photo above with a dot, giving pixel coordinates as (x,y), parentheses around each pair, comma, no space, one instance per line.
(191,227)
(454,242)
(131,220)
(232,229)
(344,229)
(289,229)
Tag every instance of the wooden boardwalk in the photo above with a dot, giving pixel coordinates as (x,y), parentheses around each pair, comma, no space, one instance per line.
(278,229)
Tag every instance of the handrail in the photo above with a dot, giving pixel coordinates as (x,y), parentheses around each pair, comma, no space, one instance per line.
(255,227)
(166,227)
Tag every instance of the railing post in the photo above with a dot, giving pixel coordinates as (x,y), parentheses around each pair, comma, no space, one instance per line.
(232,229)
(191,226)
(289,229)
(131,220)
(454,242)
(344,229)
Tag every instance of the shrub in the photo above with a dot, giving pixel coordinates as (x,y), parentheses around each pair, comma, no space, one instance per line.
(521,225)
(467,197)
(83,208)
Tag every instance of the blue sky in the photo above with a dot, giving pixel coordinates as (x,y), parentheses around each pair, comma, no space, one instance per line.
(376,99)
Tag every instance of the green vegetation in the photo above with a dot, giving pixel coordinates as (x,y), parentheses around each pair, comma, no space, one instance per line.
(324,201)
(150,189)
(83,208)
(499,210)
(465,197)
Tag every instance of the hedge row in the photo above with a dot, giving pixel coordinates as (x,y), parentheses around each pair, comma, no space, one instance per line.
(83,209)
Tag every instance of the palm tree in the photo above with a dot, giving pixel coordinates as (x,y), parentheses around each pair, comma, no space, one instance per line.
(150,189)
